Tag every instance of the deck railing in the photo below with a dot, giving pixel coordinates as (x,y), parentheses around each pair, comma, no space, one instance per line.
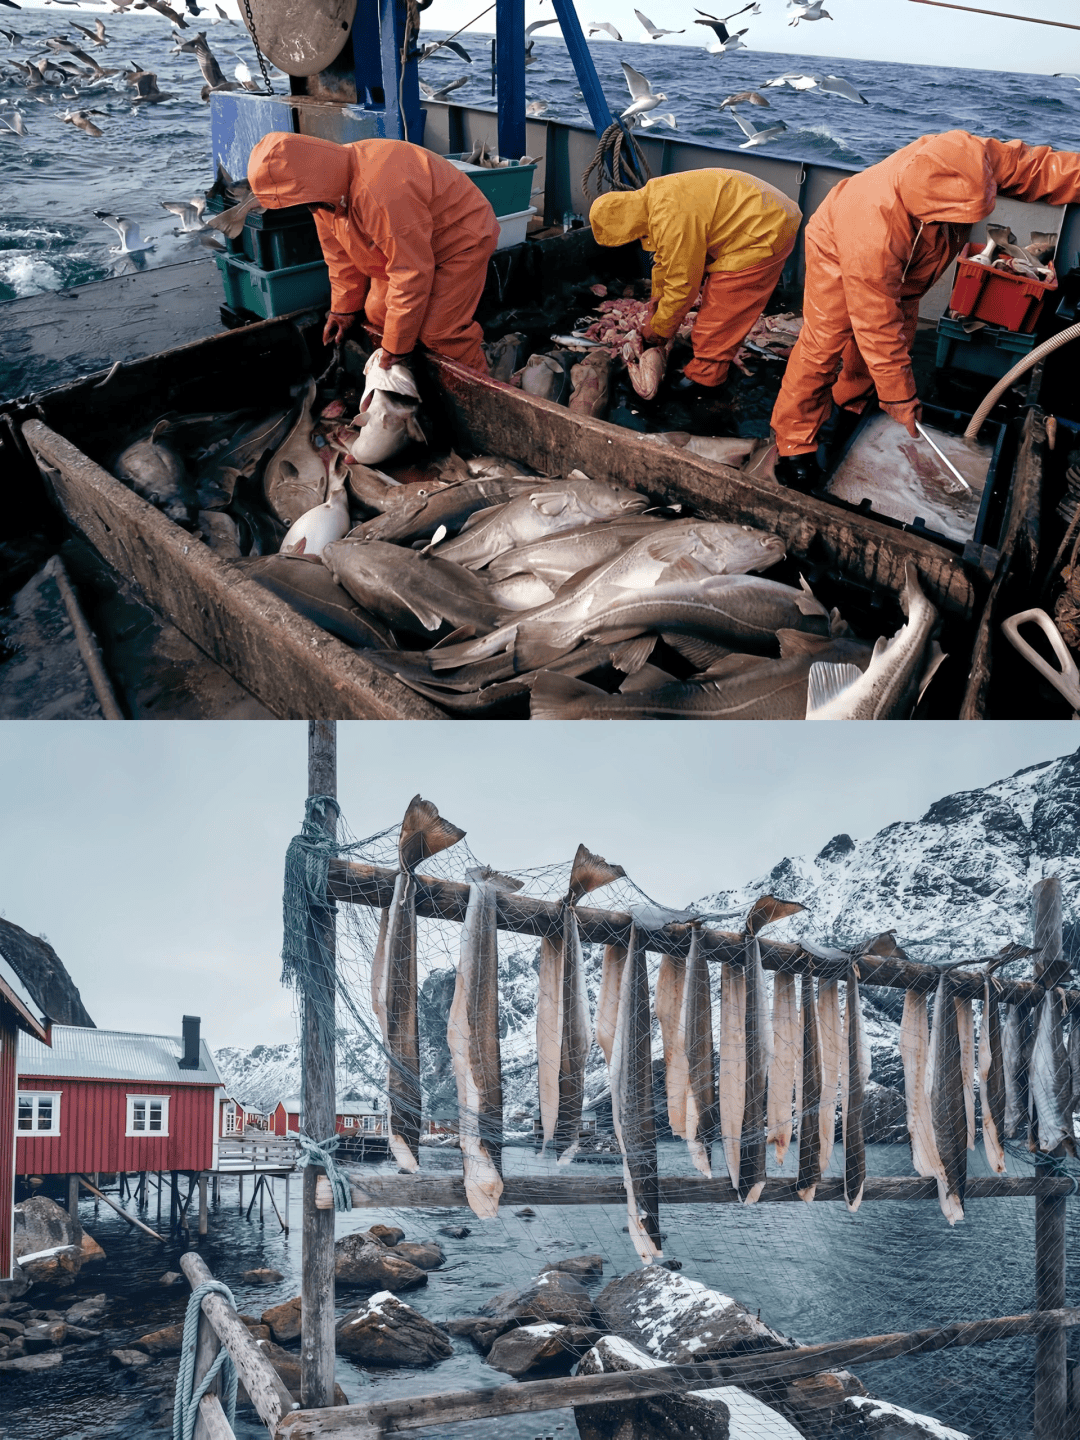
(275,1153)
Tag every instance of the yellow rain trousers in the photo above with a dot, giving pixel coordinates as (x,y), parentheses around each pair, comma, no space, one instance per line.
(725,228)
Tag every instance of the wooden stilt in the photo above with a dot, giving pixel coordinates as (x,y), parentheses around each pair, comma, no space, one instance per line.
(174,1199)
(137,1224)
(286,1204)
(254,1196)
(318,1104)
(202,1204)
(1051,1370)
(73,1204)
(217,1188)
(159,1196)
(241,1180)
(262,1196)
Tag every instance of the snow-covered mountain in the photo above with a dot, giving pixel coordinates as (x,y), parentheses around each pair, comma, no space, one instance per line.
(955,883)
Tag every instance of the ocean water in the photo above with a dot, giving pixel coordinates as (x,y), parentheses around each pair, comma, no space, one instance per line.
(815,1272)
(55,177)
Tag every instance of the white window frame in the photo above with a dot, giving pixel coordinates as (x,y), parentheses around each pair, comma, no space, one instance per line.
(348,1122)
(131,1133)
(36,1096)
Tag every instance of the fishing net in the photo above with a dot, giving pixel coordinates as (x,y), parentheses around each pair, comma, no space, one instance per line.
(809,1272)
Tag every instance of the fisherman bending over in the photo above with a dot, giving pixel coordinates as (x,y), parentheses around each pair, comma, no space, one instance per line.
(406,236)
(727,228)
(874,247)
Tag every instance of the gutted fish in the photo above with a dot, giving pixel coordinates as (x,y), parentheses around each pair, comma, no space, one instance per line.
(787,1048)
(423,833)
(856,1075)
(295,480)
(948,1109)
(1016,1041)
(408,590)
(809,1099)
(156,471)
(632,1102)
(695,1034)
(307,585)
(645,366)
(323,524)
(832,1052)
(396,378)
(607,1003)
(915,1054)
(590,379)
(1050,1084)
(415,512)
(670,979)
(386,423)
(991,1079)
(473,1036)
(965,1024)
(732,1098)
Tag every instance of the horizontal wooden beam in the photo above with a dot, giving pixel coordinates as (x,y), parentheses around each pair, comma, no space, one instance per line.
(361,884)
(448,1191)
(415,1412)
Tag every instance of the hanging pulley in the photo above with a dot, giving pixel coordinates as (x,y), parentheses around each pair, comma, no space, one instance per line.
(300,37)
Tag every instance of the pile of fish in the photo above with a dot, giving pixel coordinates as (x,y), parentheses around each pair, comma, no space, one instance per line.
(772,338)
(1030,262)
(493,591)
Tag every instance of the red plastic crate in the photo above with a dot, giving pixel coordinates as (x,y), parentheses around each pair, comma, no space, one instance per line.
(996,296)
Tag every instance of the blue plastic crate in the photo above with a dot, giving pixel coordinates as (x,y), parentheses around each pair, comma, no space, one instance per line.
(273,292)
(991,351)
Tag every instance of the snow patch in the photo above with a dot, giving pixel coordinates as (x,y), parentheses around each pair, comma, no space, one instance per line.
(541,1332)
(750,1418)
(616,1346)
(926,1423)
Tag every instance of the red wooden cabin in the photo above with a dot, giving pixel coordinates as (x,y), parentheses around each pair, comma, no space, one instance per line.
(234,1117)
(18,1011)
(354,1118)
(111,1100)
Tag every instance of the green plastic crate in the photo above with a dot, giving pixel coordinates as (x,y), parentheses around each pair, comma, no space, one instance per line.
(990,351)
(274,239)
(273,292)
(508,188)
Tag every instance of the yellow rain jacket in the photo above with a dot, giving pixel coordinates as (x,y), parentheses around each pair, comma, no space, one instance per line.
(696,223)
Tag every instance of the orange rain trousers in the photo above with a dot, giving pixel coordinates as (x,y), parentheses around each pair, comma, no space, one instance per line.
(731,302)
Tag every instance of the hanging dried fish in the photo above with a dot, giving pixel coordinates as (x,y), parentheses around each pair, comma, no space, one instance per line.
(423,834)
(696,1044)
(1016,1041)
(732,1062)
(1050,1092)
(562,1014)
(786,1056)
(670,981)
(965,1023)
(948,1109)
(855,1076)
(992,1078)
(632,1102)
(832,1052)
(607,1003)
(809,1101)
(472,1034)
(915,1054)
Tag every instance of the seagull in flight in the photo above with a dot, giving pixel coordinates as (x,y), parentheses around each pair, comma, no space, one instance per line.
(650,32)
(444,90)
(754,136)
(426,51)
(652,119)
(188,212)
(128,230)
(808,10)
(17,125)
(744,97)
(97,35)
(724,40)
(81,120)
(642,96)
(595,25)
(1061,75)
(831,84)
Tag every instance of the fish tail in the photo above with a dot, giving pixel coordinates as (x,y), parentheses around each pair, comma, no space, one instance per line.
(766,910)
(424,833)
(589,872)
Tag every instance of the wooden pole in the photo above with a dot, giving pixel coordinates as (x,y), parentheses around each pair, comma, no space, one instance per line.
(287,1204)
(419,1411)
(240,1178)
(1000,14)
(138,1224)
(318,1103)
(207,1346)
(202,1204)
(1051,1367)
(174,1199)
(73,1205)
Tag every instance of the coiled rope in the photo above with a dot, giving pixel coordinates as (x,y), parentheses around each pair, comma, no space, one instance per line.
(314,1152)
(188,1395)
(628,171)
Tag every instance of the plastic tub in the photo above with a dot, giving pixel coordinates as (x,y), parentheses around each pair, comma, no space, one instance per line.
(273,292)
(991,351)
(513,228)
(508,188)
(997,297)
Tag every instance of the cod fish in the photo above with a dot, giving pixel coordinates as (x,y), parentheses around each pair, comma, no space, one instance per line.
(560,557)
(948,1110)
(607,1002)
(397,378)
(421,510)
(394,980)
(915,1054)
(520,592)
(1016,1041)
(897,674)
(645,367)
(295,479)
(700,1111)
(732,1097)
(323,524)
(221,464)
(809,1101)
(632,1102)
(670,981)
(832,1052)
(562,1012)
(156,472)
(304,582)
(855,1076)
(786,1056)
(559,505)
(407,590)
(547,377)
(1050,1079)
(472,1034)
(387,422)
(991,1078)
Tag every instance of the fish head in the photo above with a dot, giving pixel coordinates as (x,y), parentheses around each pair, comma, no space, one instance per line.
(735,550)
(604,500)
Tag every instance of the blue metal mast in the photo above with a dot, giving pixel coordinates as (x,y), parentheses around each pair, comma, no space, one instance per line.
(510,76)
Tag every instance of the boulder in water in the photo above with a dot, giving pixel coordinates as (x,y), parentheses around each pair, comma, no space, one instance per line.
(41,1224)
(576,1265)
(366,1263)
(261,1277)
(535,1350)
(284,1320)
(287,1366)
(655,1417)
(681,1321)
(386,1331)
(388,1235)
(167,1341)
(84,1312)
(880,1421)
(425,1255)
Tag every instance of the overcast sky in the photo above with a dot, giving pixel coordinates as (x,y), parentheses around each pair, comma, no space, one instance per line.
(151,855)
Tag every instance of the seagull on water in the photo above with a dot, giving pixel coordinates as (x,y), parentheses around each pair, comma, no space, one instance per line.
(606,26)
(188,212)
(81,120)
(754,136)
(808,10)
(831,84)
(724,40)
(17,125)
(744,97)
(642,96)
(536,107)
(128,230)
(650,32)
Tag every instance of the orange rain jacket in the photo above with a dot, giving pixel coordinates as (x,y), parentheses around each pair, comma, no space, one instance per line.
(399,213)
(893,230)
(697,223)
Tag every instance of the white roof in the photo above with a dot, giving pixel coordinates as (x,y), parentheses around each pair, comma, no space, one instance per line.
(292,1106)
(85,1054)
(16,985)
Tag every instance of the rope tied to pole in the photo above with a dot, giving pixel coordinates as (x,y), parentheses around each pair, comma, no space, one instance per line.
(188,1394)
(321,1152)
(628,167)
(307,874)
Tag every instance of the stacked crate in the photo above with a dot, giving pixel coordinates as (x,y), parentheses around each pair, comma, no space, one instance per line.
(275,265)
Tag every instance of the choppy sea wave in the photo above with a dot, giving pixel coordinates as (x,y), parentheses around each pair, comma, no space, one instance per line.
(53,179)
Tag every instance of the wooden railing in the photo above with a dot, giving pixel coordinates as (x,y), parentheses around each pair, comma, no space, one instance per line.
(276,1153)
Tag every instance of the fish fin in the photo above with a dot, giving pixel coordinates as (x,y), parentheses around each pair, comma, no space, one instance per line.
(414,430)
(589,872)
(479,516)
(485,875)
(736,665)
(837,624)
(684,568)
(807,601)
(552,691)
(549,502)
(768,909)
(534,649)
(578,578)
(630,656)
(796,642)
(424,833)
(912,591)
(159,429)
(696,651)
(936,658)
(300,547)
(463,632)
(828,682)
(649,677)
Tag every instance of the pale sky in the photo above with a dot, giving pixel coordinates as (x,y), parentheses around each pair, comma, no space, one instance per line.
(151,855)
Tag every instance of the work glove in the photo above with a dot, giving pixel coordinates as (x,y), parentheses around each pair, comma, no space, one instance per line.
(904,412)
(336,327)
(386,359)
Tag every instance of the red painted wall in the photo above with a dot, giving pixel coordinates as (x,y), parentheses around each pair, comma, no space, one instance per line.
(93,1118)
(282,1124)
(7,1135)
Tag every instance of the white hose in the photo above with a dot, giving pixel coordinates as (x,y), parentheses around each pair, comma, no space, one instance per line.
(1020,368)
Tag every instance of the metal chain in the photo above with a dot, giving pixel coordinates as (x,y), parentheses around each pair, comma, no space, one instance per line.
(258,53)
